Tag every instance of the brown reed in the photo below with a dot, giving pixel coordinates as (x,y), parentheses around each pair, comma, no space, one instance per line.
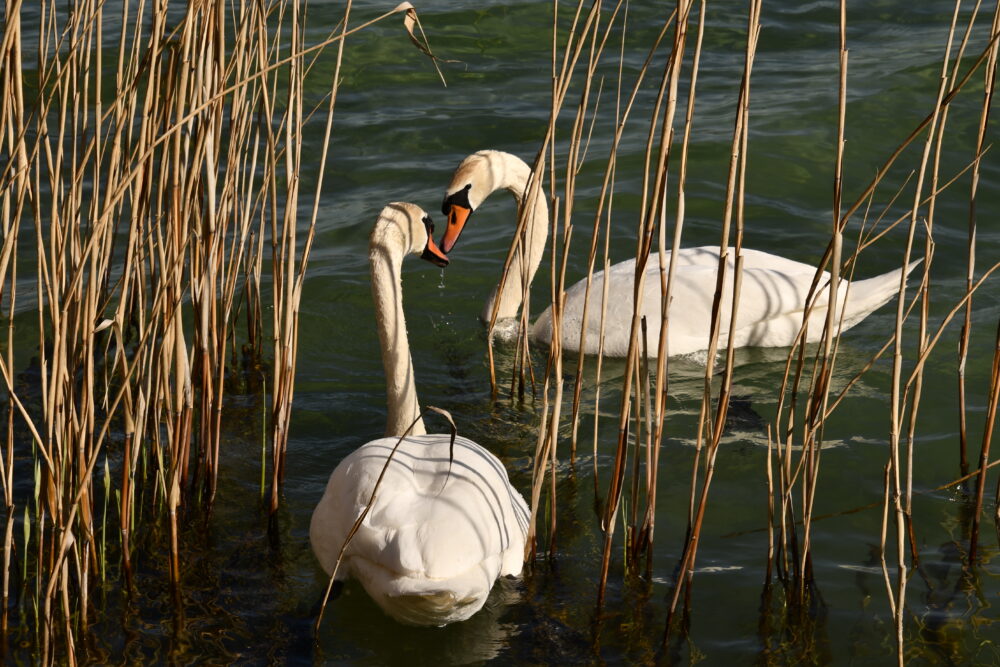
(142,175)
(807,396)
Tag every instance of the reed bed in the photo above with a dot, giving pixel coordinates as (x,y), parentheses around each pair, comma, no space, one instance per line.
(151,180)
(807,397)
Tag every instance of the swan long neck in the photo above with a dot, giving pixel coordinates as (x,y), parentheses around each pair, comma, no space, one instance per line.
(389,245)
(514,176)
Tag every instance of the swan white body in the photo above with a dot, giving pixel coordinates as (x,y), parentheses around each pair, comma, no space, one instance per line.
(772,294)
(438,535)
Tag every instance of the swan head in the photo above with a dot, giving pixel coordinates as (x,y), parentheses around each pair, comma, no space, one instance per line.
(476,178)
(411,227)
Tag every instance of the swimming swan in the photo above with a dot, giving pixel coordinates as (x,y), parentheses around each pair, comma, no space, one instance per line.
(772,294)
(438,534)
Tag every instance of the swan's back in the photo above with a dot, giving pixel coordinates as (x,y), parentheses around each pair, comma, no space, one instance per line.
(772,298)
(434,541)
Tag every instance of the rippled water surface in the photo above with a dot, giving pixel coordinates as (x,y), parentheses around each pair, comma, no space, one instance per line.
(250,595)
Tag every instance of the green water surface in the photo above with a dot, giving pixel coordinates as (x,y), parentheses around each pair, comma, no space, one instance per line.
(250,594)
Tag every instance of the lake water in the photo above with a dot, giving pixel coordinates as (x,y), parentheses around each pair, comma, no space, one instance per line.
(250,595)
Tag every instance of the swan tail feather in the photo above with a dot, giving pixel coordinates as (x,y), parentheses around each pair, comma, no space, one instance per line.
(868,295)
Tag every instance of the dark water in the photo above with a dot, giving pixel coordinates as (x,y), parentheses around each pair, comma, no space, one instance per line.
(250,595)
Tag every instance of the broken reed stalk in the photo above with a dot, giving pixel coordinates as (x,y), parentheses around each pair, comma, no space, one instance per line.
(141,182)
(371,501)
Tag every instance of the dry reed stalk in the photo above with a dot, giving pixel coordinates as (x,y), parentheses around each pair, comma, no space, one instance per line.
(653,211)
(984,454)
(557,297)
(605,198)
(12,196)
(923,290)
(787,477)
(963,345)
(149,187)
(561,77)
(816,414)
(666,289)
(283,257)
(611,170)
(902,492)
(942,105)
(287,303)
(635,537)
(713,436)
(963,463)
(546,446)
(769,476)
(825,358)
(966,328)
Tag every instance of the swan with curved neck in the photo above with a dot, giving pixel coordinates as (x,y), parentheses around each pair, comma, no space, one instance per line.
(772,295)
(480,175)
(440,530)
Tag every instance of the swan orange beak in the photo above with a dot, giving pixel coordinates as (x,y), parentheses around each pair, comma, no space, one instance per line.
(433,254)
(458,215)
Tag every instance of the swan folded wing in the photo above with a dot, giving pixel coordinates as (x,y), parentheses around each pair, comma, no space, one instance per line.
(775,304)
(772,294)
(427,523)
(770,307)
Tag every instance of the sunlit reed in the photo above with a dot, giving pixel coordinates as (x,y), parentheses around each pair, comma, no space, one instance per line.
(807,396)
(143,175)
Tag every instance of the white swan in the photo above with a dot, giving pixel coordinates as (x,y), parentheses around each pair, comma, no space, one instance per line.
(772,295)
(438,534)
